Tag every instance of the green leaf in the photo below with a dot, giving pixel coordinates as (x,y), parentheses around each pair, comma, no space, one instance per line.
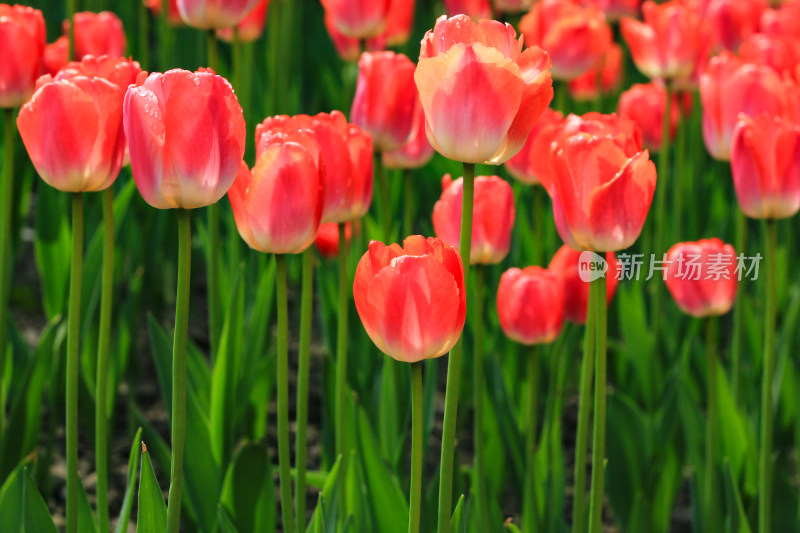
(320,520)
(457,522)
(52,248)
(736,520)
(86,519)
(130,486)
(248,493)
(22,508)
(511,527)
(226,525)
(202,472)
(152,515)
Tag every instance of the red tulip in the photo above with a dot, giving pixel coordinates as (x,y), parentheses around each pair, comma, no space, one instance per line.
(575,37)
(348,48)
(616,9)
(780,52)
(584,87)
(732,21)
(532,164)
(411,299)
(385,98)
(98,34)
(729,87)
(345,154)
(250,28)
(56,55)
(765,162)
(118,70)
(417,150)
(22,41)
(327,241)
(399,22)
(701,276)
(669,43)
(530,304)
(784,20)
(600,194)
(576,291)
(492,217)
(173,15)
(186,134)
(480,93)
(214,14)
(513,6)
(278,207)
(644,104)
(358,18)
(72,129)
(475,9)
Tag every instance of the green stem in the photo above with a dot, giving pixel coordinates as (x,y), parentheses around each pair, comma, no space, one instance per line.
(179,370)
(282,378)
(711,426)
(165,40)
(454,366)
(144,35)
(767,407)
(584,410)
(538,225)
(532,522)
(237,61)
(212,50)
(103,345)
(69,15)
(415,491)
(383,196)
(408,203)
(214,303)
(6,195)
(738,312)
(477,373)
(274,55)
(599,440)
(681,176)
(561,98)
(341,370)
(306,307)
(73,359)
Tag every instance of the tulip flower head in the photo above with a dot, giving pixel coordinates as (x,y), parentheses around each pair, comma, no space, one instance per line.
(474,9)
(186,135)
(644,103)
(214,14)
(22,41)
(780,52)
(417,150)
(56,55)
(173,15)
(616,9)
(411,298)
(530,304)
(575,37)
(399,22)
(72,129)
(733,21)
(97,34)
(250,28)
(492,217)
(765,163)
(532,164)
(512,6)
(385,99)
(565,263)
(358,19)
(118,70)
(702,278)
(327,241)
(584,87)
(480,92)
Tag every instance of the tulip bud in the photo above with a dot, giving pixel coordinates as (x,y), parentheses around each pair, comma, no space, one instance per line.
(22,41)
(214,14)
(97,34)
(701,276)
(530,304)
(358,18)
(576,291)
(474,9)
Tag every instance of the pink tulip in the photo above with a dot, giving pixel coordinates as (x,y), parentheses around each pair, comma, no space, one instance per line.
(644,103)
(474,9)
(358,18)
(214,14)
(22,41)
(251,26)
(530,304)
(616,9)
(417,150)
(56,55)
(732,21)
(532,164)
(584,87)
(576,291)
(702,278)
(98,34)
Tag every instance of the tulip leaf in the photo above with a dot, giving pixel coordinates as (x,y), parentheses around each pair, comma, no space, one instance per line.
(321,520)
(52,248)
(130,485)
(152,514)
(737,520)
(248,493)
(226,525)
(22,508)
(86,519)
(457,522)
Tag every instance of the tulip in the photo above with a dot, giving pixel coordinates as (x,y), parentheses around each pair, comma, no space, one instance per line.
(278,206)
(616,9)
(56,55)
(584,87)
(644,104)
(701,276)
(492,217)
(565,263)
(214,14)
(575,37)
(385,98)
(780,52)
(251,26)
(783,20)
(730,87)
(172,165)
(327,241)
(475,9)
(120,71)
(669,43)
(348,48)
(72,129)
(512,6)
(732,21)
(417,150)
(530,304)
(22,41)
(358,18)
(345,153)
(765,162)
(411,299)
(98,34)
(399,22)
(480,94)
(173,14)
(604,208)
(532,164)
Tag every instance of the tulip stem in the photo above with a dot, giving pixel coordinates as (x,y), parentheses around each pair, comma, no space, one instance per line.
(478,384)
(282,378)
(213,52)
(767,407)
(599,440)
(532,521)
(711,426)
(306,306)
(584,410)
(454,366)
(6,194)
(179,370)
(383,191)
(738,311)
(538,225)
(70,15)
(103,343)
(341,372)
(415,491)
(143,47)
(273,55)
(408,203)
(73,358)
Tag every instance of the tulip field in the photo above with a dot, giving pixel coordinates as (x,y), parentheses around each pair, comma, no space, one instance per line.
(376,266)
